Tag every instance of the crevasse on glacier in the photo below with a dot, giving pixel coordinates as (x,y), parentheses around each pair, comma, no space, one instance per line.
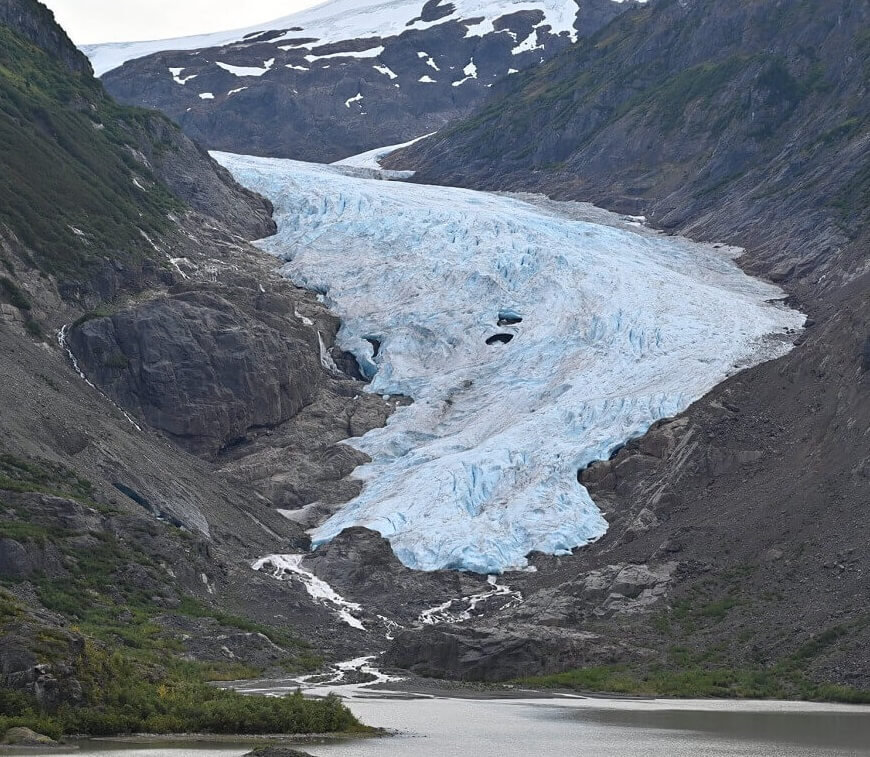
(619,327)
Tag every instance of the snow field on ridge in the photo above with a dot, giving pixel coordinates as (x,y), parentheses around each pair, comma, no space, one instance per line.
(620,327)
(341,20)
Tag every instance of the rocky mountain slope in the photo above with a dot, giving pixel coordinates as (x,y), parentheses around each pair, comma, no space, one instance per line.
(136,491)
(745,123)
(344,77)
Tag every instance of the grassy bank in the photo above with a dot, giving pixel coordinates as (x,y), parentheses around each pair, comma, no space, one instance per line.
(118,700)
(117,662)
(786,679)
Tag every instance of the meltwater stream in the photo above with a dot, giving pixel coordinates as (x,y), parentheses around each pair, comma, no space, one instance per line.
(534,338)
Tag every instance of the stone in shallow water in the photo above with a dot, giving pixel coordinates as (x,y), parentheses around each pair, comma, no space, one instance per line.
(26,737)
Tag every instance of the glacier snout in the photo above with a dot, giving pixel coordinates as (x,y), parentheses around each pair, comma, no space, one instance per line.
(534,338)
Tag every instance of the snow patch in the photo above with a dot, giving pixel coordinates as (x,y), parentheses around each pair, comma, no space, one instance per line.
(341,20)
(428,60)
(206,96)
(529,43)
(357,98)
(371,159)
(178,78)
(470,72)
(621,327)
(426,80)
(386,71)
(372,53)
(247,70)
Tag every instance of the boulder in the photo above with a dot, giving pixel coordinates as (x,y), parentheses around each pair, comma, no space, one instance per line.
(26,737)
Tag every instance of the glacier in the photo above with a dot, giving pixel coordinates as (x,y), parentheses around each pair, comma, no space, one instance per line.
(534,337)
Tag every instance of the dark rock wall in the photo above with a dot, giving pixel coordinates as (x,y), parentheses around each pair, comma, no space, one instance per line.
(36,23)
(198,368)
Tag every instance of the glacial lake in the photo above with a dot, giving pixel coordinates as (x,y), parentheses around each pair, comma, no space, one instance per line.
(572,728)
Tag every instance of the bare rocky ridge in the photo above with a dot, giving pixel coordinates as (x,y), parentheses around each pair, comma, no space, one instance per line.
(36,23)
(309,111)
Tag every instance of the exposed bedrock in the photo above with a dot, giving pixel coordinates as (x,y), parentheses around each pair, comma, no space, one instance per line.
(194,177)
(498,653)
(361,566)
(196,367)
(234,373)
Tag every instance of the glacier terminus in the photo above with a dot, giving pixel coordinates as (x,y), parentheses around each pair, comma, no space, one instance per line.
(534,337)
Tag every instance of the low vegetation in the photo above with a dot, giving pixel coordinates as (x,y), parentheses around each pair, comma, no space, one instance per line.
(73,188)
(685,673)
(782,681)
(119,700)
(134,673)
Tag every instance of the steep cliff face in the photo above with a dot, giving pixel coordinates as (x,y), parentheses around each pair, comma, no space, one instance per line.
(35,22)
(335,81)
(88,185)
(743,122)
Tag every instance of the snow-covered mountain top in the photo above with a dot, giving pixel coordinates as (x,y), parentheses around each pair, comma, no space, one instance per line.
(339,20)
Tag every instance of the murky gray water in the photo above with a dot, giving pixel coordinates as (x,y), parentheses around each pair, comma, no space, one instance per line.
(575,728)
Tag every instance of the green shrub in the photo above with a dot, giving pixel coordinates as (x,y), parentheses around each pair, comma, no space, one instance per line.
(121,698)
(13,293)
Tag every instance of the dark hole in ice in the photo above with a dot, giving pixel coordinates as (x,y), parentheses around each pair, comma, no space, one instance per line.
(375,343)
(509,318)
(499,339)
(347,363)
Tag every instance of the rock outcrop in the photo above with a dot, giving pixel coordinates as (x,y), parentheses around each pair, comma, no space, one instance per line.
(24,737)
(36,23)
(361,565)
(489,653)
(277,751)
(198,368)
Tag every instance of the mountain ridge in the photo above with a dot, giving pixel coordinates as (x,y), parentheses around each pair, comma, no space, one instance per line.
(719,121)
(338,79)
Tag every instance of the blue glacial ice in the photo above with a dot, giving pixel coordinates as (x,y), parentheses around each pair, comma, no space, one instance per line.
(620,327)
